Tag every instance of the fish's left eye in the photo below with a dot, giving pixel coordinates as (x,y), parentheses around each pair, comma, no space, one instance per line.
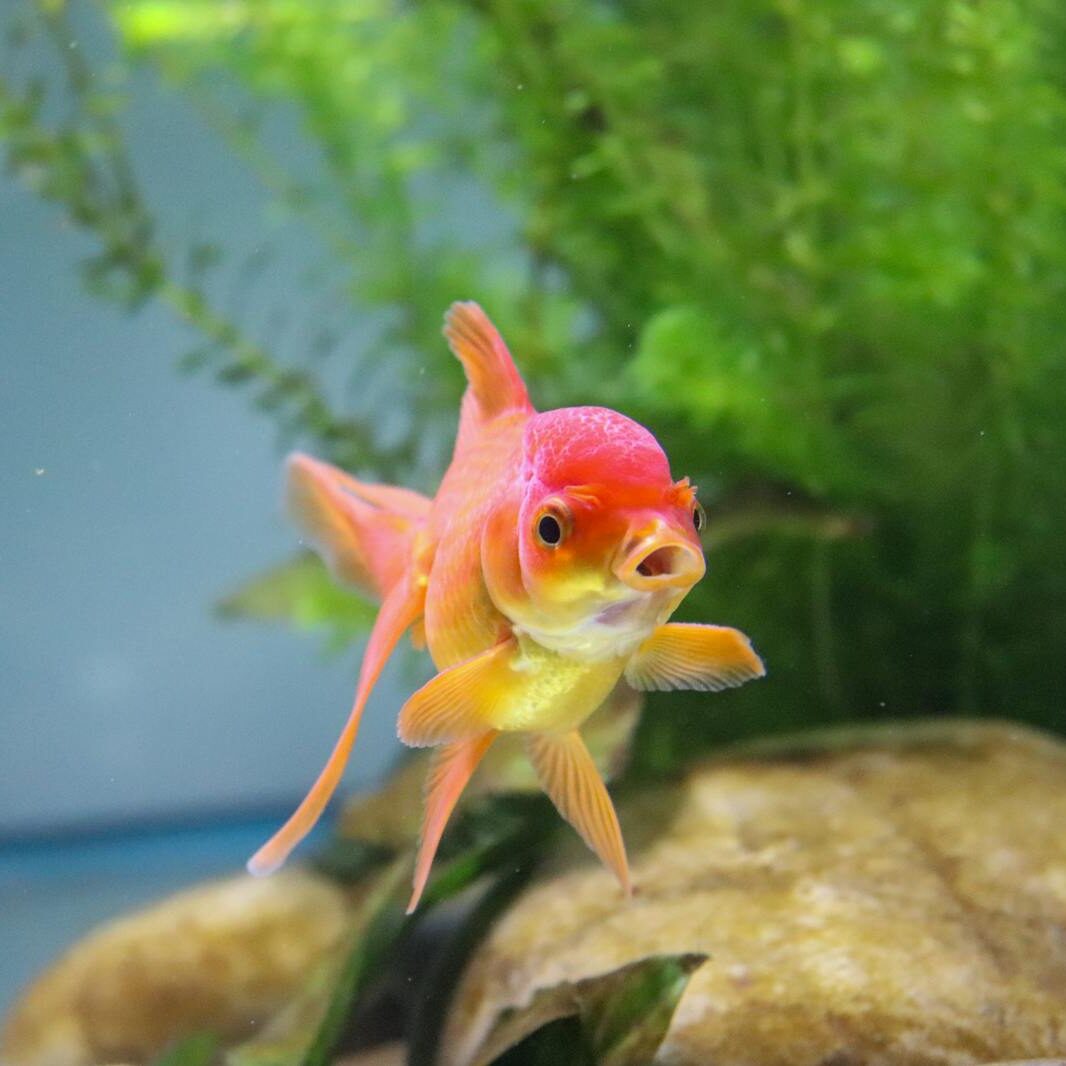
(699,518)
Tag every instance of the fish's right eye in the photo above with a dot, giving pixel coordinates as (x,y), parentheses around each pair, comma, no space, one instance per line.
(549,530)
(552,524)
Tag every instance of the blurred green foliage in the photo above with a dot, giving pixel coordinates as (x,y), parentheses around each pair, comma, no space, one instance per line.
(820,249)
(301,592)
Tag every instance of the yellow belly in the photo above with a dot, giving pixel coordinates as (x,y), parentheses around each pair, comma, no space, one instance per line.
(550,693)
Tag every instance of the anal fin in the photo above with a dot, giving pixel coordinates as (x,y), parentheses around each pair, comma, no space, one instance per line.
(682,656)
(569,776)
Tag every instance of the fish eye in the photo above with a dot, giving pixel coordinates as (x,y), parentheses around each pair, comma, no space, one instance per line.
(549,530)
(552,525)
(699,518)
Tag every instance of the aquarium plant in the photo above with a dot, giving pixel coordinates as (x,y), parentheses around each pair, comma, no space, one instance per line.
(819,249)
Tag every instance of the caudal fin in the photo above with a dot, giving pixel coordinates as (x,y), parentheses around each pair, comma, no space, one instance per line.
(363,532)
(401,607)
(495,384)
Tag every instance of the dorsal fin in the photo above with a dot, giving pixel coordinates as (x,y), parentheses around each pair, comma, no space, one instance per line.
(495,384)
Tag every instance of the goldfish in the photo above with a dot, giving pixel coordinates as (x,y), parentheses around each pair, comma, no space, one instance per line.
(541,576)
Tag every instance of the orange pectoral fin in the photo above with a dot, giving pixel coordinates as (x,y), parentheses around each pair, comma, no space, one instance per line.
(363,532)
(401,607)
(459,703)
(573,783)
(450,771)
(706,658)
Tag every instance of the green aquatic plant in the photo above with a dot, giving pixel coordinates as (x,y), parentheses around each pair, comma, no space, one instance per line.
(821,252)
(819,249)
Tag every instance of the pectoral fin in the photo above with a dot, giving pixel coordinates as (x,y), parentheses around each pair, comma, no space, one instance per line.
(569,776)
(448,774)
(460,702)
(706,658)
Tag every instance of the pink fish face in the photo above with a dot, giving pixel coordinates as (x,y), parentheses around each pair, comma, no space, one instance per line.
(596,543)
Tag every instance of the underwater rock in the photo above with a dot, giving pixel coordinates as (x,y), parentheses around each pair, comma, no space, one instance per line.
(225,956)
(898,896)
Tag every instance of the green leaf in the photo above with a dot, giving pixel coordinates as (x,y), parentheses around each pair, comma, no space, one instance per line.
(438,984)
(501,837)
(687,358)
(623,1017)
(350,861)
(511,843)
(375,948)
(309,1029)
(200,1049)
(562,1040)
(302,593)
(626,1016)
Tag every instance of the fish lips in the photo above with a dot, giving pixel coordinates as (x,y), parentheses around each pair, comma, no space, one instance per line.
(655,556)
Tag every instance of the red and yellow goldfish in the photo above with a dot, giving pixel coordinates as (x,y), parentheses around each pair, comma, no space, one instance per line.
(540,576)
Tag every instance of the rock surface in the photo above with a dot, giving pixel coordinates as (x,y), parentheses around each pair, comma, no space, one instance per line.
(224,956)
(899,897)
(899,900)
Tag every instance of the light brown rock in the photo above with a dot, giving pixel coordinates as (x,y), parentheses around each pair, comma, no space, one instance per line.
(224,956)
(901,901)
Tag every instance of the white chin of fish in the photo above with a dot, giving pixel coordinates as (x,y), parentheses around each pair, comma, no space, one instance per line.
(611,632)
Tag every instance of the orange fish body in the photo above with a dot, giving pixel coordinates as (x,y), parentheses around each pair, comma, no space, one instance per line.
(540,576)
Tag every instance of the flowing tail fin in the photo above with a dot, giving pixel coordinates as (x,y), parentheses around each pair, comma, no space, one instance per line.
(365,533)
(401,607)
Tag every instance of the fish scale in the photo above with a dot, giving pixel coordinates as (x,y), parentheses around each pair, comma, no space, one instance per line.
(461,619)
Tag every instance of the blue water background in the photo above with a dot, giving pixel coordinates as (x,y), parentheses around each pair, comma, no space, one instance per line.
(144,744)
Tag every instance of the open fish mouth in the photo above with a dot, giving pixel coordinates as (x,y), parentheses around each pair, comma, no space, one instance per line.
(660,560)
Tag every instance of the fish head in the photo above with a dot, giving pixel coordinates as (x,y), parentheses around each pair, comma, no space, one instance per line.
(597,543)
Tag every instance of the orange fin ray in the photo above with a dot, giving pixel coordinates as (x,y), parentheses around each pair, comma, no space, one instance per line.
(449,773)
(683,656)
(569,776)
(460,702)
(495,383)
(418,634)
(365,533)
(401,607)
